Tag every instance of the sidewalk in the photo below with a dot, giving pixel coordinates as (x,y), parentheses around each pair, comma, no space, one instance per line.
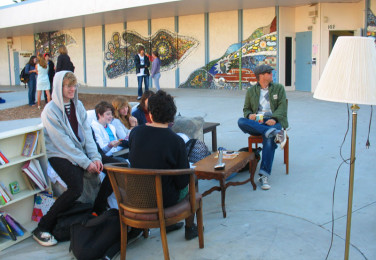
(290,221)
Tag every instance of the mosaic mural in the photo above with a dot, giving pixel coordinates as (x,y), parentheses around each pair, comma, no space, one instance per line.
(371,26)
(238,63)
(50,42)
(120,51)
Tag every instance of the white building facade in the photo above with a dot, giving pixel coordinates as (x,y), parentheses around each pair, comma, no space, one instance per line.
(203,44)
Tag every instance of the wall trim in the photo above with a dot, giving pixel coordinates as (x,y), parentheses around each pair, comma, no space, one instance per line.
(84,54)
(103,50)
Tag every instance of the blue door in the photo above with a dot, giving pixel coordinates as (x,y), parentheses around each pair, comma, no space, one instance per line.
(303,64)
(16,67)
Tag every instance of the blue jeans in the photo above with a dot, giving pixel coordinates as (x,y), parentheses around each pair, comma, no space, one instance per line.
(146,82)
(32,85)
(156,80)
(268,145)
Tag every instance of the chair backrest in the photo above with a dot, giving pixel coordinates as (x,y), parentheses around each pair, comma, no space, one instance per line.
(140,188)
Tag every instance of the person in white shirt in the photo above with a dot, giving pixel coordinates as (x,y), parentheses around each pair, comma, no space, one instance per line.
(104,131)
(142,63)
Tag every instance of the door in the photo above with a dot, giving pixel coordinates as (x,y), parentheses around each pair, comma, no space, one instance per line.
(16,68)
(303,71)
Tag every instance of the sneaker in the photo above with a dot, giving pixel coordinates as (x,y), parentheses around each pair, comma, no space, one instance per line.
(191,232)
(281,138)
(44,238)
(264,180)
(134,234)
(174,227)
(138,98)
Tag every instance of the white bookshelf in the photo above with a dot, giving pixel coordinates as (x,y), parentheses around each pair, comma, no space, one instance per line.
(21,207)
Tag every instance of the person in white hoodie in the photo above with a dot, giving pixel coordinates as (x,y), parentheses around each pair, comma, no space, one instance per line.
(70,146)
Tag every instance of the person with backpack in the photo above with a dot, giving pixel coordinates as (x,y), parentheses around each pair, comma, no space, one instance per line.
(32,83)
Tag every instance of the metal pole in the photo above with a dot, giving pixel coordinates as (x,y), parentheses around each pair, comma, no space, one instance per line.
(354,109)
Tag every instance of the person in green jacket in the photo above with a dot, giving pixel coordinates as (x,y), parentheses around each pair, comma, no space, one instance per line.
(265,113)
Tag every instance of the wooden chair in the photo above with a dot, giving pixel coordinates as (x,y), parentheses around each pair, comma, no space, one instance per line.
(139,196)
(255,140)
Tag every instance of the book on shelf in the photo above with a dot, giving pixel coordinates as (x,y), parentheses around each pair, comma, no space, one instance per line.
(37,177)
(16,227)
(8,229)
(2,201)
(7,191)
(4,195)
(3,158)
(30,143)
(29,183)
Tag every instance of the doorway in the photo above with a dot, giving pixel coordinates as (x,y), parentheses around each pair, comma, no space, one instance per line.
(333,36)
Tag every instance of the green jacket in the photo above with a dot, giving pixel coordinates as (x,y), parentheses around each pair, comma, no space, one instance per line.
(278,102)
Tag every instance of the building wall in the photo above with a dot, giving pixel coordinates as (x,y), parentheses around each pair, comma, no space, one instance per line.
(223,32)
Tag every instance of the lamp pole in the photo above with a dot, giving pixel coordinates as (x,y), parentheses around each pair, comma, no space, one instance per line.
(354,109)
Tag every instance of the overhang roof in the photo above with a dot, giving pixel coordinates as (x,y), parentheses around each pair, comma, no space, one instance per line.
(34,16)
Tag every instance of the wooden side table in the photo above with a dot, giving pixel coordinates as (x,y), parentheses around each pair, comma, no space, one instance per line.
(212,127)
(205,170)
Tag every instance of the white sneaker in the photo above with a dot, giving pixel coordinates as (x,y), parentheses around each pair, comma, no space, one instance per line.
(281,138)
(44,238)
(264,180)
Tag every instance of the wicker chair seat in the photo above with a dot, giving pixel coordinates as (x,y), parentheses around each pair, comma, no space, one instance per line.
(169,212)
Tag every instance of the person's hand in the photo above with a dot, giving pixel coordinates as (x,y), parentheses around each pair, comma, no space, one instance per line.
(114,143)
(252,116)
(270,122)
(92,168)
(99,165)
(132,121)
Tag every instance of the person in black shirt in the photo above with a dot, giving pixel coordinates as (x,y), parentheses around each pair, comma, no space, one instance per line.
(155,146)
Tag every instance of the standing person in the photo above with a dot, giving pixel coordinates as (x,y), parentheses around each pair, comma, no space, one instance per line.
(156,69)
(141,113)
(32,83)
(163,149)
(63,61)
(265,113)
(123,121)
(43,82)
(51,71)
(142,64)
(70,147)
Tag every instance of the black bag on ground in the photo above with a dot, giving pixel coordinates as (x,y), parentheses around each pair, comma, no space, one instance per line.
(76,214)
(257,153)
(196,150)
(97,237)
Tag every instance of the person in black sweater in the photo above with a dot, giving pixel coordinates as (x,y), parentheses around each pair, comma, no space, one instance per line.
(156,146)
(63,60)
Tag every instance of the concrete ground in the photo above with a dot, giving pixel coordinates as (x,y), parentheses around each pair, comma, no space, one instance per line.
(293,220)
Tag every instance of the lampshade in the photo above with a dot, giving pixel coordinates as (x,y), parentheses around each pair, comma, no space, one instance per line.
(350,73)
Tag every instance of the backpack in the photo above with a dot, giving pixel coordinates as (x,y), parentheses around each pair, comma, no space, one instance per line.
(76,214)
(196,150)
(24,77)
(98,237)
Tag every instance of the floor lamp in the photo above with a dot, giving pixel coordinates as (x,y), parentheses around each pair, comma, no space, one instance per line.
(350,77)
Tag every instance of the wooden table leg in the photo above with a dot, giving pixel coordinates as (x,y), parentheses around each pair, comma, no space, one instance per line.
(223,196)
(214,139)
(252,170)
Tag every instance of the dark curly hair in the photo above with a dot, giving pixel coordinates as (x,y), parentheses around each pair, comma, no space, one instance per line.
(162,107)
(102,107)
